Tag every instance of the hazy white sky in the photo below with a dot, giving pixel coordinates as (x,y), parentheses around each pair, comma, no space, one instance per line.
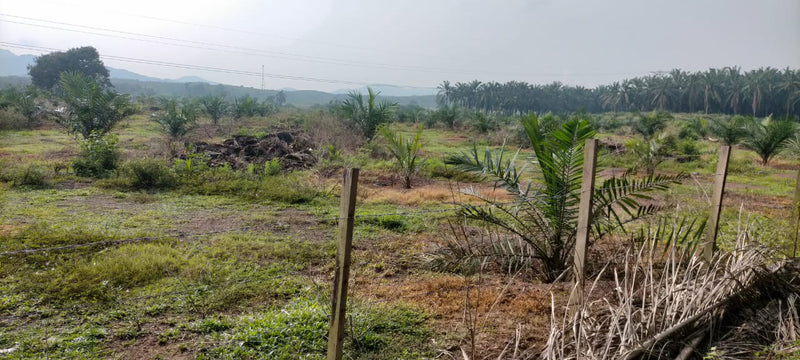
(410,42)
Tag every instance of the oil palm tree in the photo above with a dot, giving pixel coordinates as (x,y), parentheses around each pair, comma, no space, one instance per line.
(731,131)
(91,106)
(176,121)
(366,114)
(768,137)
(544,212)
(405,152)
(215,106)
(27,103)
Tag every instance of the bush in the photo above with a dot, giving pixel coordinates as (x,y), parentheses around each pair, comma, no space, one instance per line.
(11,119)
(224,180)
(688,151)
(31,175)
(98,156)
(148,174)
(272,167)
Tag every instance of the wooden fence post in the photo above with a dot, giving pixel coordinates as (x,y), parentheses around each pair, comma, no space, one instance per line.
(796,214)
(584,221)
(339,299)
(716,202)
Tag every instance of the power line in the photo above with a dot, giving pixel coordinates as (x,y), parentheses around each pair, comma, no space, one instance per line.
(206,68)
(274,54)
(234,30)
(202,45)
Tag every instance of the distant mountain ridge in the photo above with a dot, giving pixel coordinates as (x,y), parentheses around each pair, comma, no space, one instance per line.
(17,65)
(14,65)
(14,72)
(123,74)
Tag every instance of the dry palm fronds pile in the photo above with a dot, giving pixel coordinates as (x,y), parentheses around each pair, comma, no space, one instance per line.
(671,304)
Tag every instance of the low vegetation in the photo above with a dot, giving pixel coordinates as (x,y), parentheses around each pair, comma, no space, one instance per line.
(221,244)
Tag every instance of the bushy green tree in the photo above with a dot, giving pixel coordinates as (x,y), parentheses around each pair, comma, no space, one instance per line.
(90,107)
(366,114)
(46,70)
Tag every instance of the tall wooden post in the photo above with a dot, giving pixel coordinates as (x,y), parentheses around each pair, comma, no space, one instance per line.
(796,214)
(584,220)
(339,299)
(716,202)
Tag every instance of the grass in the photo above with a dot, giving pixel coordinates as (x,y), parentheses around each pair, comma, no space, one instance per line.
(259,289)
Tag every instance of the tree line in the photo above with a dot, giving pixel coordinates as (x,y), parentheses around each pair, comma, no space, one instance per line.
(728,90)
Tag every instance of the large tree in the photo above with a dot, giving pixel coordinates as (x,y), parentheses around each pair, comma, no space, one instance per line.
(47,69)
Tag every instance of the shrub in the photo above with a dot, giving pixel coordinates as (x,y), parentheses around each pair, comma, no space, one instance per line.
(272,167)
(688,150)
(11,119)
(148,174)
(226,181)
(98,156)
(31,175)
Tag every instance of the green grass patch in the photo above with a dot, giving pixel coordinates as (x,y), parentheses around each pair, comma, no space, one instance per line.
(299,330)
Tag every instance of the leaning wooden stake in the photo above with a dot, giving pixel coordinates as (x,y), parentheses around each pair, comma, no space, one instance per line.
(796,214)
(716,202)
(584,221)
(339,299)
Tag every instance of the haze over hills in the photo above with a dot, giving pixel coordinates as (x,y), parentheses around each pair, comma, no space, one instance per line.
(14,72)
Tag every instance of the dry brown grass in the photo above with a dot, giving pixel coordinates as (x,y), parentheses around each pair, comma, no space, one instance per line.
(656,304)
(434,193)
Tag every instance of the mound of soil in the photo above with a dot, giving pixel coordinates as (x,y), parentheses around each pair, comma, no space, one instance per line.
(292,149)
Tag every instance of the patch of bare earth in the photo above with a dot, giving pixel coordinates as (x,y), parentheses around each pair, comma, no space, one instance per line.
(148,346)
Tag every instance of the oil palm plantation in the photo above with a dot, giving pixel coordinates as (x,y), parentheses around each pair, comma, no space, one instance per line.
(543,214)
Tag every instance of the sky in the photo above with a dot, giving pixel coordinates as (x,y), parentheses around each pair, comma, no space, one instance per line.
(328,45)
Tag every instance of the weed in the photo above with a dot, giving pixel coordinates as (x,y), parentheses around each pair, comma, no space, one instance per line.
(148,174)
(396,223)
(98,157)
(31,176)
(209,325)
(168,335)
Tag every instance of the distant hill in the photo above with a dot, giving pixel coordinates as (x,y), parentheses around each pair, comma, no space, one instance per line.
(14,72)
(17,65)
(301,98)
(14,65)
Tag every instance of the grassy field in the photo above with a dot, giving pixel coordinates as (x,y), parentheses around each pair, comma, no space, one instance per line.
(231,267)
